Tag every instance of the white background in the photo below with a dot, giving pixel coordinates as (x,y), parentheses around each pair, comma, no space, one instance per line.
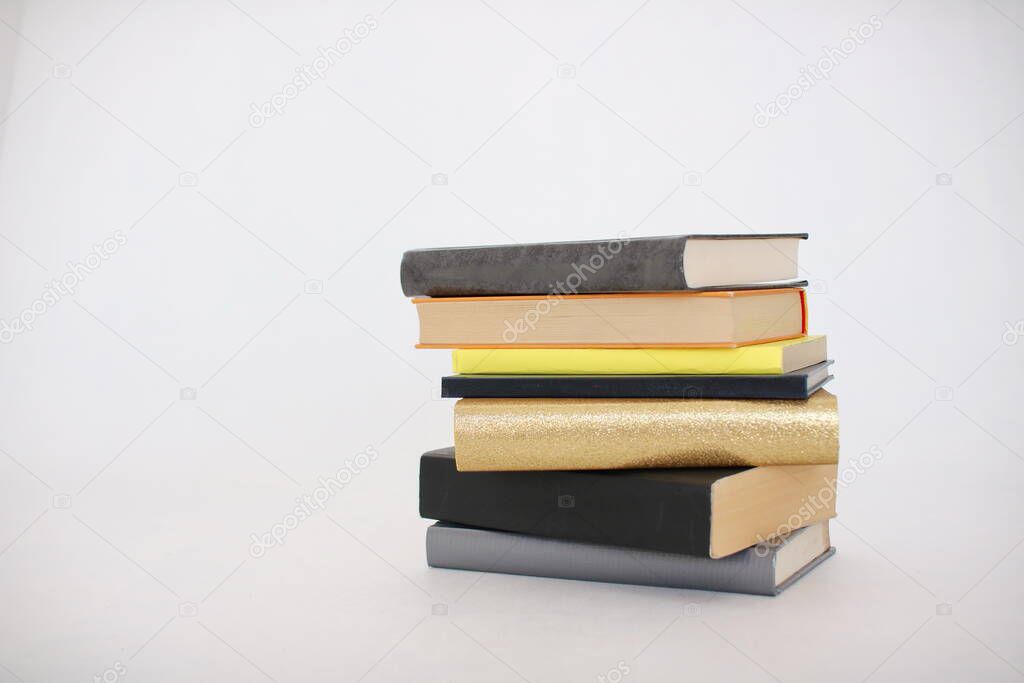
(126,511)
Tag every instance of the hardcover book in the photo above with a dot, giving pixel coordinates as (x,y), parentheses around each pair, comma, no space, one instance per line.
(766,569)
(798,384)
(508,434)
(772,358)
(645,264)
(726,319)
(707,512)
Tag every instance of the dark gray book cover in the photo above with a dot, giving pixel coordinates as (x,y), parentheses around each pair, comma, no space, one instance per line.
(639,264)
(798,384)
(668,510)
(751,571)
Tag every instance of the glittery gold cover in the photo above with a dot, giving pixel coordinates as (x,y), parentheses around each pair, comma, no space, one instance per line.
(587,434)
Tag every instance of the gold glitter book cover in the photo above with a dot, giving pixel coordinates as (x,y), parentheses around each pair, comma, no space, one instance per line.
(507,434)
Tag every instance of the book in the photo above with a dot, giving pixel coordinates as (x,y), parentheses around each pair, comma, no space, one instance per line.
(509,434)
(643,264)
(766,569)
(707,512)
(772,358)
(798,384)
(726,319)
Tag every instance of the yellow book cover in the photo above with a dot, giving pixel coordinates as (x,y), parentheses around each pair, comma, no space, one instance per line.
(772,358)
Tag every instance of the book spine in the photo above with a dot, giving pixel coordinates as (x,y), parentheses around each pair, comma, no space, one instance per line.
(510,434)
(626,386)
(597,507)
(456,547)
(650,264)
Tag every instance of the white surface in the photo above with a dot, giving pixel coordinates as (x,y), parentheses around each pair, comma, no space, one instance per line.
(208,293)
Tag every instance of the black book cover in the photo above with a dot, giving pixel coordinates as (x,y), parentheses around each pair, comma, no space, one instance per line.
(798,384)
(639,264)
(668,510)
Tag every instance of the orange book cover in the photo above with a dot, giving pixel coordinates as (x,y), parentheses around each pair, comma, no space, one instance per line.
(553,301)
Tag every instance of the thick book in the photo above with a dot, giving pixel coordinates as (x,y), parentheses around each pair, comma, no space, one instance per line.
(766,569)
(707,512)
(510,434)
(644,264)
(772,358)
(798,384)
(640,320)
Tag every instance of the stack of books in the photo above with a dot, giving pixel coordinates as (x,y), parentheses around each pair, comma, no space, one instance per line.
(645,411)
